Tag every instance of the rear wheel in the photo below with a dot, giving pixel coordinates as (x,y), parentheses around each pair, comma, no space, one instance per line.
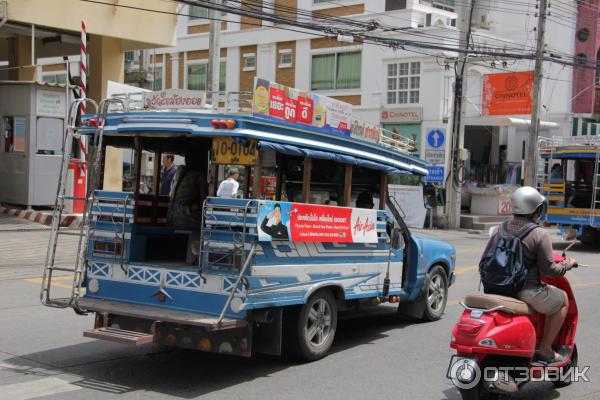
(436,293)
(311,329)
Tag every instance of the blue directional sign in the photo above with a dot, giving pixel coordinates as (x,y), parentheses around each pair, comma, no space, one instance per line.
(436,138)
(436,175)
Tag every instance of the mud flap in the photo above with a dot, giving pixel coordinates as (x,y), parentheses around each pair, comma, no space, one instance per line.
(415,308)
(267,333)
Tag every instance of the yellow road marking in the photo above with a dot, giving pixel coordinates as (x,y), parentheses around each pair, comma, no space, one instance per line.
(54,284)
(466,251)
(462,270)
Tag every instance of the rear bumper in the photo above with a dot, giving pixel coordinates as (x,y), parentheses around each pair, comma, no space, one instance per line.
(159,314)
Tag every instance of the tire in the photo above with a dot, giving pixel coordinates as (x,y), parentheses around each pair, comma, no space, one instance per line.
(436,293)
(310,330)
(571,364)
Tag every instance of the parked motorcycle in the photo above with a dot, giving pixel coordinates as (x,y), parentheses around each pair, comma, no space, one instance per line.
(495,341)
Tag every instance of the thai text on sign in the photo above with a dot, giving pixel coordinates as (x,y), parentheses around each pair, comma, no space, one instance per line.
(281,102)
(299,222)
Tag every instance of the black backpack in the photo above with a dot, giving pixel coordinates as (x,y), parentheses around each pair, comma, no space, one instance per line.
(501,267)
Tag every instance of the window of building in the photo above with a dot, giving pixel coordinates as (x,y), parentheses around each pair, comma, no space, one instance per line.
(403,83)
(197,12)
(447,5)
(395,5)
(13,134)
(197,76)
(336,71)
(157,74)
(285,58)
(581,59)
(54,77)
(598,68)
(249,62)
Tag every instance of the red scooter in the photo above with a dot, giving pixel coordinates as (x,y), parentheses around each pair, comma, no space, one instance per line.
(495,341)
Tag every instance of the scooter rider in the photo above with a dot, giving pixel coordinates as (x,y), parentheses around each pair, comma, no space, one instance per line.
(527,206)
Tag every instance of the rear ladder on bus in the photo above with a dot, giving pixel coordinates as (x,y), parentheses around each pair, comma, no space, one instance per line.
(93,164)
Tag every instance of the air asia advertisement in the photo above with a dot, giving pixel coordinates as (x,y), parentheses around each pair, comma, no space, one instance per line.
(507,93)
(298,222)
(292,105)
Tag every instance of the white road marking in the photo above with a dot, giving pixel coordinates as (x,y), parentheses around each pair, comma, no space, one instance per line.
(37,388)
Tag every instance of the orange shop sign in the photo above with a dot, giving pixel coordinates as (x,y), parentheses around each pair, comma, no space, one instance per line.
(507,93)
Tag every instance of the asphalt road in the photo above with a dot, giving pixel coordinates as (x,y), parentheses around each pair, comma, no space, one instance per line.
(44,355)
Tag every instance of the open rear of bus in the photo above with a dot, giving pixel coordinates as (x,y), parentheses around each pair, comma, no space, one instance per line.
(167,263)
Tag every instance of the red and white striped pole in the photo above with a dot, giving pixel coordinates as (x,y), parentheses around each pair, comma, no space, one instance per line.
(83,64)
(83,75)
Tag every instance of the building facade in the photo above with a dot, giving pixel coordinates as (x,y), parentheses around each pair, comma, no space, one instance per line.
(409,91)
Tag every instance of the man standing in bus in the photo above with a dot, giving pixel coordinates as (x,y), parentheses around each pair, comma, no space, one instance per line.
(229,187)
(167,174)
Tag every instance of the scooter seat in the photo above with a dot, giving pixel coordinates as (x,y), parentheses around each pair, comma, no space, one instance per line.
(489,301)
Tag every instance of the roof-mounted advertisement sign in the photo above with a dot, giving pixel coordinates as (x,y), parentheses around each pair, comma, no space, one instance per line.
(284,103)
(174,99)
(507,93)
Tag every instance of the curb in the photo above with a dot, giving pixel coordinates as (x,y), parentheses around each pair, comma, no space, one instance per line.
(43,217)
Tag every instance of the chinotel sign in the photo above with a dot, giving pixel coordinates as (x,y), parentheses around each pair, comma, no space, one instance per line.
(402,115)
(174,98)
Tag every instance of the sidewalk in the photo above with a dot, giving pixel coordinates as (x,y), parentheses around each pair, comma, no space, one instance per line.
(23,246)
(41,217)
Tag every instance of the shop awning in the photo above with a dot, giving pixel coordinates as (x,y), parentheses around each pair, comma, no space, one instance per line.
(310,153)
(508,121)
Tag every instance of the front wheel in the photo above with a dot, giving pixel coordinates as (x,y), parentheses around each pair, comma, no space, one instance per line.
(310,332)
(436,293)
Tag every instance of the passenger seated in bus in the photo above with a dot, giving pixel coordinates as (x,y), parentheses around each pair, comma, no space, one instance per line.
(365,200)
(167,174)
(189,189)
(229,187)
(556,173)
(273,224)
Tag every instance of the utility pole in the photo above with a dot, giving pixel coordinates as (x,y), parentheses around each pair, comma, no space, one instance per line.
(214,56)
(531,163)
(455,176)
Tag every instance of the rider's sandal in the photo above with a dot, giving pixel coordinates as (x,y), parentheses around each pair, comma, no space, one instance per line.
(556,358)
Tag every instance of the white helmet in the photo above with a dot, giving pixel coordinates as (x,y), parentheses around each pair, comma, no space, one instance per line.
(526,200)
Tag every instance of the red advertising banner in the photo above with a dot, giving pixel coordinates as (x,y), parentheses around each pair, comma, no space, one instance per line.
(299,222)
(507,93)
(304,111)
(290,109)
(276,102)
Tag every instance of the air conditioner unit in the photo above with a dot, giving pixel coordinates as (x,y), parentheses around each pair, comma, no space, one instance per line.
(484,22)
